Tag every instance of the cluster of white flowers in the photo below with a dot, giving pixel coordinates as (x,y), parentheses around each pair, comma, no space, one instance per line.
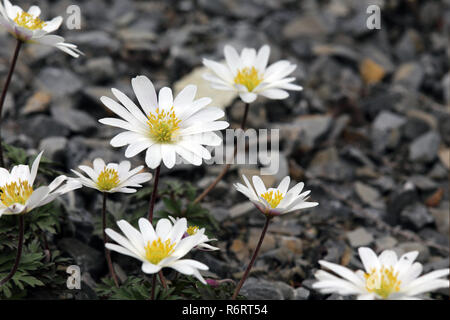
(167,127)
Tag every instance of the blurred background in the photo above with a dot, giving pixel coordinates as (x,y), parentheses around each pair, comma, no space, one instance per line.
(369,134)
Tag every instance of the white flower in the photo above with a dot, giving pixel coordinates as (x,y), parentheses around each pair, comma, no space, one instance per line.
(113,177)
(249,75)
(167,126)
(17,195)
(27,27)
(275,201)
(193,229)
(161,248)
(385,277)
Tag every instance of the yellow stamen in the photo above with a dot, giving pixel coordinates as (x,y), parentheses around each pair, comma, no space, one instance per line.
(249,78)
(158,250)
(15,193)
(108,179)
(28,21)
(192,230)
(163,125)
(272,198)
(383,282)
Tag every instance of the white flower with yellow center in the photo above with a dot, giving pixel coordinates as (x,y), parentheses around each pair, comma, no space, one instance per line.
(166,127)
(17,195)
(113,177)
(385,277)
(275,201)
(249,75)
(28,27)
(192,230)
(163,247)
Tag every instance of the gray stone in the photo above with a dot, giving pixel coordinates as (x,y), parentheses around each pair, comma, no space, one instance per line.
(386,132)
(100,69)
(424,252)
(76,120)
(416,215)
(260,289)
(369,195)
(312,129)
(425,147)
(441,217)
(95,40)
(86,257)
(54,147)
(301,294)
(59,82)
(39,127)
(359,237)
(327,164)
(385,243)
(241,209)
(409,75)
(307,26)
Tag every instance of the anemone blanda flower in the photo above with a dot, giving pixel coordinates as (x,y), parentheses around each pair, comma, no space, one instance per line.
(113,177)
(193,229)
(17,195)
(275,201)
(163,247)
(249,75)
(385,277)
(27,27)
(166,127)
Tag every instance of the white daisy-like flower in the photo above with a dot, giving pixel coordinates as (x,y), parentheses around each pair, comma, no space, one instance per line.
(193,229)
(166,127)
(27,27)
(17,195)
(275,201)
(163,247)
(249,75)
(385,277)
(113,177)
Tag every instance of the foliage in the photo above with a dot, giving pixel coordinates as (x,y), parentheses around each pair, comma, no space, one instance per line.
(184,288)
(36,268)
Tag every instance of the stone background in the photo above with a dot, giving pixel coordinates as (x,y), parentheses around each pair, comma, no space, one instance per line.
(369,135)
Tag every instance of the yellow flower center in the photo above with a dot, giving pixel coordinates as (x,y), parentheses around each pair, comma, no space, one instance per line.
(163,125)
(383,282)
(28,21)
(273,198)
(158,250)
(192,230)
(249,78)
(15,193)
(108,179)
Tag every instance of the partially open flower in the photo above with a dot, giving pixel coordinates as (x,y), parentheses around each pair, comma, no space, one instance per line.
(249,75)
(17,195)
(165,127)
(192,230)
(275,201)
(28,27)
(163,247)
(113,177)
(385,277)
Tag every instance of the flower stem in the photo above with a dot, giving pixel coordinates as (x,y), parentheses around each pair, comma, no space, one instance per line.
(163,280)
(252,261)
(105,240)
(227,166)
(153,198)
(152,297)
(5,90)
(18,255)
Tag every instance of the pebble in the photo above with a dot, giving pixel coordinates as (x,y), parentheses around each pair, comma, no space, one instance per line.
(359,237)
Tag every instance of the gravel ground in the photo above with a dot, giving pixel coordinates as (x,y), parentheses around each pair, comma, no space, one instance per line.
(369,134)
